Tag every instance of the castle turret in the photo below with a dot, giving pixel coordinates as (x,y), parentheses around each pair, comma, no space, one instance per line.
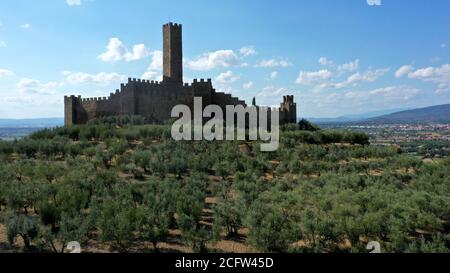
(70,110)
(173,53)
(288,110)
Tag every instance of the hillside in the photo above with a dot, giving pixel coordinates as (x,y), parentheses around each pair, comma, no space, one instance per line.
(128,188)
(434,114)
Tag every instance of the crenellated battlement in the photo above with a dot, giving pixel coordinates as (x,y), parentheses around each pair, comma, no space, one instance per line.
(94,99)
(288,110)
(132,82)
(130,85)
(143,81)
(209,81)
(155,99)
(288,99)
(173,25)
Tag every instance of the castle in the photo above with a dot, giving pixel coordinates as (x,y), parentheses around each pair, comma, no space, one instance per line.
(155,100)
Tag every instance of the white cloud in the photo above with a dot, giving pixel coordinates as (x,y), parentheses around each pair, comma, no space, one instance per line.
(355,79)
(361,101)
(1,24)
(224,89)
(25,26)
(35,86)
(116,51)
(373,75)
(349,67)
(438,75)
(423,73)
(385,94)
(157,60)
(247,51)
(443,45)
(395,91)
(374,2)
(5,73)
(31,105)
(324,61)
(139,52)
(271,95)
(273,75)
(338,76)
(403,71)
(152,75)
(216,59)
(154,69)
(73,2)
(310,78)
(227,77)
(272,91)
(100,78)
(35,98)
(248,85)
(274,63)
(2,43)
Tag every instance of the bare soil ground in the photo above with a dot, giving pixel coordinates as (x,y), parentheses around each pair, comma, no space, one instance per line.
(174,244)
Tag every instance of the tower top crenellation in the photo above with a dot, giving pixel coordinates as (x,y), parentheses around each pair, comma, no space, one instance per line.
(152,98)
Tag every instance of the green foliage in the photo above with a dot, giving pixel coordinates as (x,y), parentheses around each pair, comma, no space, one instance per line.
(24,226)
(118,220)
(189,211)
(273,222)
(123,184)
(306,125)
(69,228)
(229,214)
(156,215)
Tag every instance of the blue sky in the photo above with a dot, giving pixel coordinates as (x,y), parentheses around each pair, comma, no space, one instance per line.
(336,57)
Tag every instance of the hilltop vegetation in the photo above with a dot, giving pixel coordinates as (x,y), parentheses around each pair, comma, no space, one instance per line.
(131,188)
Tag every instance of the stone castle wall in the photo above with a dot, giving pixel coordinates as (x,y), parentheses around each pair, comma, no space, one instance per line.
(145,98)
(155,100)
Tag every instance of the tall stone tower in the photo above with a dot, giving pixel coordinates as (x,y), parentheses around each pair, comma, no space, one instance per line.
(154,100)
(173,53)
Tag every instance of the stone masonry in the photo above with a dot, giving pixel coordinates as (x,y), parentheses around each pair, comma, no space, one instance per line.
(155,100)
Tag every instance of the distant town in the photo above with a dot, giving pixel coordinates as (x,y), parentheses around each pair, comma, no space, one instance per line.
(427,140)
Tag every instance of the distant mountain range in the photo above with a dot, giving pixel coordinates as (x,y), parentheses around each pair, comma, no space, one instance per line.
(355,118)
(432,114)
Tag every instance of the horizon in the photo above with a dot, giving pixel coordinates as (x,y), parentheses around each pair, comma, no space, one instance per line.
(363,115)
(357,58)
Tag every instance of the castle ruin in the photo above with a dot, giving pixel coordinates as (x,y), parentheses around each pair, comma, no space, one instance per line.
(155,100)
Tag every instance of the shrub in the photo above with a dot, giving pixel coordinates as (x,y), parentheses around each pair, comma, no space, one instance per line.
(306,125)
